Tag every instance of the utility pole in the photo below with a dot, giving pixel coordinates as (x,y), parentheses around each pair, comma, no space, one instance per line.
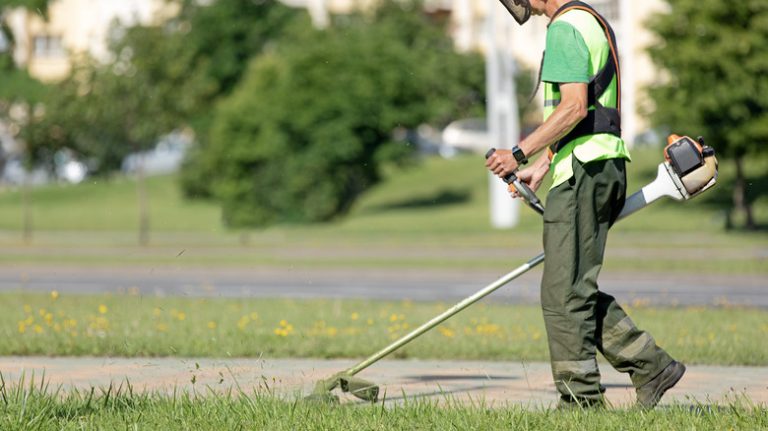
(502,117)
(629,89)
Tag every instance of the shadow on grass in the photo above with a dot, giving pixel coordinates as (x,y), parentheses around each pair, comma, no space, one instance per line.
(458,377)
(444,197)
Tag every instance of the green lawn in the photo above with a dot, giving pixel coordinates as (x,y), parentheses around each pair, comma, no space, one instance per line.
(131,325)
(30,406)
(438,205)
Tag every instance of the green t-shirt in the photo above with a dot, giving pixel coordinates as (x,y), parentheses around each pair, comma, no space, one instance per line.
(567,56)
(576,49)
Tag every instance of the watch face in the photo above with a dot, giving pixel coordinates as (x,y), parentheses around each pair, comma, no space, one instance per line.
(519,155)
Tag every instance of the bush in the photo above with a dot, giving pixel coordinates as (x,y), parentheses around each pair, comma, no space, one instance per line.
(308,128)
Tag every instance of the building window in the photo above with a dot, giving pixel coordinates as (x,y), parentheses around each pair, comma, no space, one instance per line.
(607,8)
(48,46)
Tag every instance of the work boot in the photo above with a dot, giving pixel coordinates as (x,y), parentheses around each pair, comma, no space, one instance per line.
(570,403)
(650,393)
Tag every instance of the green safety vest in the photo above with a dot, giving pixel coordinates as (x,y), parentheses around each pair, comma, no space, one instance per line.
(600,146)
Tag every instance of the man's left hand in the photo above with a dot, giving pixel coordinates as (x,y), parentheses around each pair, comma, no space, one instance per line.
(501,163)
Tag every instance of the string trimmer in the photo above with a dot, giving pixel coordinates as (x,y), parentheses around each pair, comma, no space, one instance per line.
(689,169)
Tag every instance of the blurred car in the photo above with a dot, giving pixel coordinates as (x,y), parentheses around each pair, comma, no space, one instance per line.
(470,134)
(165,158)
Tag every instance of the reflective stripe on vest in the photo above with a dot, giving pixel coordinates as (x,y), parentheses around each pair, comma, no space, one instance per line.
(592,147)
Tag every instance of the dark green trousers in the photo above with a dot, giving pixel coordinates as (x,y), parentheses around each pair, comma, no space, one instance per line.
(580,319)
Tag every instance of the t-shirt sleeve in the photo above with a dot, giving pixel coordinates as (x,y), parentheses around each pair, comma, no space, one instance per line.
(566,58)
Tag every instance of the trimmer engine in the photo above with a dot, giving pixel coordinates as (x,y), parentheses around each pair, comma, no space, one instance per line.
(691,164)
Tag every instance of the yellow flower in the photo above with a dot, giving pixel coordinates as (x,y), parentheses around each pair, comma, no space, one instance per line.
(157,312)
(354,316)
(38,329)
(181,315)
(103,309)
(254,315)
(54,294)
(446,332)
(22,328)
(393,318)
(27,308)
(211,325)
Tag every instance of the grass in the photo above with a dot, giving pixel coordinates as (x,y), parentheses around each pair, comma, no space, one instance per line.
(131,325)
(30,405)
(440,205)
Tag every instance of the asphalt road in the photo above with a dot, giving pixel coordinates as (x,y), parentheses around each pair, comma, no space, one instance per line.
(662,289)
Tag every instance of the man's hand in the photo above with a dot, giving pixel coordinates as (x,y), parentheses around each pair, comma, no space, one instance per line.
(532,176)
(501,163)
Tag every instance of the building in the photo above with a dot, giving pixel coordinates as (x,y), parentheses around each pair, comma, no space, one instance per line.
(74,27)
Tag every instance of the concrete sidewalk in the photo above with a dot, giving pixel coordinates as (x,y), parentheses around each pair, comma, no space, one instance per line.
(497,383)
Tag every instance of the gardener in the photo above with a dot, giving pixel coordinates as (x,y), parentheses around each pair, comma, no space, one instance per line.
(581,141)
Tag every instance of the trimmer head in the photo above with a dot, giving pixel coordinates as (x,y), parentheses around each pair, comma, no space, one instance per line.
(356,386)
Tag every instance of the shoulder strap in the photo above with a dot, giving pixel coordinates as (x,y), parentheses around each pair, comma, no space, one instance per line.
(604,120)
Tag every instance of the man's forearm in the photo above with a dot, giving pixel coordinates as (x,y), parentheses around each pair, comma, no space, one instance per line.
(559,124)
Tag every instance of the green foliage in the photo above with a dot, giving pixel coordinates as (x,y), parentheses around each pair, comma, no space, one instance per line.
(308,129)
(715,54)
(162,78)
(101,112)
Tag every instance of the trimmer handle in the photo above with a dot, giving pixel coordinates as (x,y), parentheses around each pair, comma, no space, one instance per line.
(522,188)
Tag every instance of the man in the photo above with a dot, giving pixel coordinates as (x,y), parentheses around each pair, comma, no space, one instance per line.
(581,141)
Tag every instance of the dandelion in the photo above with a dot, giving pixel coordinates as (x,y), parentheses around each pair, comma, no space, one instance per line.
(38,329)
(22,328)
(446,332)
(103,309)
(211,325)
(370,322)
(285,329)
(54,294)
(181,315)
(393,318)
(354,316)
(243,322)
(161,327)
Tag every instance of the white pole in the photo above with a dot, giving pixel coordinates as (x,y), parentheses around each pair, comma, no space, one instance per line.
(629,87)
(503,121)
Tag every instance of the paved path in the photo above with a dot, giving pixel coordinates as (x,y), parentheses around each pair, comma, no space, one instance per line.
(497,383)
(414,284)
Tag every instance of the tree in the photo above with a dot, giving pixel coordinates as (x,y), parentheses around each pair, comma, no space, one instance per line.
(714,55)
(19,90)
(307,130)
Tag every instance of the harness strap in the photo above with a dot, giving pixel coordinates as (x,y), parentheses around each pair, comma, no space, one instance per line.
(602,119)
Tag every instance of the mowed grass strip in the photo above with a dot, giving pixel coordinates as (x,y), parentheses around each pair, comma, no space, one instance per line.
(35,406)
(132,325)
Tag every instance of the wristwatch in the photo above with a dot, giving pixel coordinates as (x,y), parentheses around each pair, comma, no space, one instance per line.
(519,155)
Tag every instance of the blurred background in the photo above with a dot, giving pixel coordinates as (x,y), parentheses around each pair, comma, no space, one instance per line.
(341,135)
